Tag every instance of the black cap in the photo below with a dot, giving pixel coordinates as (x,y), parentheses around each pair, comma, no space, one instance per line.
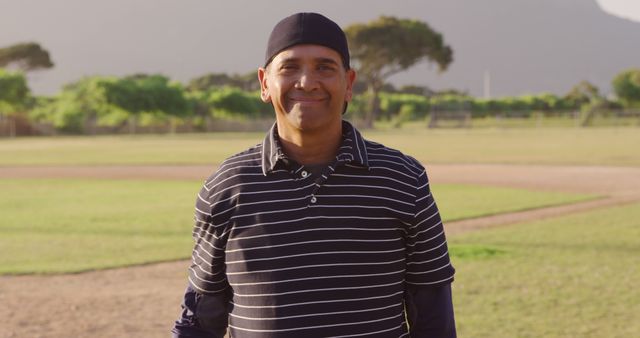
(307,28)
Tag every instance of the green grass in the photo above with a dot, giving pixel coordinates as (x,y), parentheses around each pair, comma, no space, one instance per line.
(461,201)
(138,149)
(539,120)
(534,120)
(557,145)
(574,276)
(551,146)
(68,225)
(473,251)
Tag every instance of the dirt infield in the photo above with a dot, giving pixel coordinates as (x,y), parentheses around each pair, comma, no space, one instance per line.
(143,301)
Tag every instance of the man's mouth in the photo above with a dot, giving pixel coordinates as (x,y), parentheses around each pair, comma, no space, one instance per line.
(306,99)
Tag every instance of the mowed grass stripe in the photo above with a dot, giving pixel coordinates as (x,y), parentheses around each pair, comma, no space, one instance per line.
(67,225)
(568,146)
(463,201)
(573,276)
(70,225)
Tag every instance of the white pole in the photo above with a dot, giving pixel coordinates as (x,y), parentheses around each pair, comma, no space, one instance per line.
(487,84)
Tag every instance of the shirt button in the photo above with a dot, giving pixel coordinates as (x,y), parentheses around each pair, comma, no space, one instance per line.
(304,174)
(314,199)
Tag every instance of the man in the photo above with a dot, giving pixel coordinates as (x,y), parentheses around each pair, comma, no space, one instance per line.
(316,232)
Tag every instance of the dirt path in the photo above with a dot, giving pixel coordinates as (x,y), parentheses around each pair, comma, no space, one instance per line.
(143,301)
(599,179)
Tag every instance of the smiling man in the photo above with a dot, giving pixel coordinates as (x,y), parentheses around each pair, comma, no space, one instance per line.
(316,232)
(308,86)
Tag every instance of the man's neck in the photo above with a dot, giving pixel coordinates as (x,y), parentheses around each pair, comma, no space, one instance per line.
(311,148)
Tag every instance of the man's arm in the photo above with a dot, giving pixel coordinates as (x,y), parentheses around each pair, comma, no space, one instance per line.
(206,301)
(429,271)
(430,311)
(203,316)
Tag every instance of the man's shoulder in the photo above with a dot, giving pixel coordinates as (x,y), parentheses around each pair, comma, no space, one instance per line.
(381,156)
(251,155)
(244,162)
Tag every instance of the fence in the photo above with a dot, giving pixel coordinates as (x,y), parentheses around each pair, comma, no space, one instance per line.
(12,126)
(17,125)
(527,119)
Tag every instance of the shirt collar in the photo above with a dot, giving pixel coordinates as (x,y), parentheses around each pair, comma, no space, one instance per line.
(352,149)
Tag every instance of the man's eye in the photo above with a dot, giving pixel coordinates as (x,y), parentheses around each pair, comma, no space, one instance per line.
(325,67)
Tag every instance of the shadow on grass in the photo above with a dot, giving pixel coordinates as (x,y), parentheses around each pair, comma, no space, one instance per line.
(463,251)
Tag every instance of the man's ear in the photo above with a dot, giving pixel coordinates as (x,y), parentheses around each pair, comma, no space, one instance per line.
(351,79)
(264,92)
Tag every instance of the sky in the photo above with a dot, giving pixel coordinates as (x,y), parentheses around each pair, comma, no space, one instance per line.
(628,9)
(190,38)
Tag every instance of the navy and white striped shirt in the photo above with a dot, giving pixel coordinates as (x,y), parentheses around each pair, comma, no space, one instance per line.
(300,255)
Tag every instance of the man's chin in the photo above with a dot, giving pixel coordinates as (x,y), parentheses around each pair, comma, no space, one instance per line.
(308,125)
(302,113)
(306,108)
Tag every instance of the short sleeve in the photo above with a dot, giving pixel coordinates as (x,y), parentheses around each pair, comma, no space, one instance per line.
(428,260)
(207,271)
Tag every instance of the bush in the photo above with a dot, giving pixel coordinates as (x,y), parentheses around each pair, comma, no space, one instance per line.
(626,85)
(234,103)
(392,104)
(14,93)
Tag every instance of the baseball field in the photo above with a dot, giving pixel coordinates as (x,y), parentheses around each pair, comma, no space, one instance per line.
(543,225)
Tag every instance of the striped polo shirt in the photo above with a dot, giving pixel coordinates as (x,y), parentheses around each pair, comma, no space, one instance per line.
(324,255)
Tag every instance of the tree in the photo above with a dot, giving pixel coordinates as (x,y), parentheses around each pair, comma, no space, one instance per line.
(13,90)
(417,90)
(209,81)
(626,85)
(451,92)
(582,93)
(247,81)
(110,101)
(153,97)
(147,93)
(387,46)
(25,56)
(229,102)
(79,107)
(14,96)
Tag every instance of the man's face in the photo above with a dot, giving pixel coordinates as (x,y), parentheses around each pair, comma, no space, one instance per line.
(308,87)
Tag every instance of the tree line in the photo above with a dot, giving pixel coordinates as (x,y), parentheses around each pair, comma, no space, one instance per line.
(146,100)
(379,49)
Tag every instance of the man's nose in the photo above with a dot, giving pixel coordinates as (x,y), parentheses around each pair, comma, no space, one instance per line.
(307,80)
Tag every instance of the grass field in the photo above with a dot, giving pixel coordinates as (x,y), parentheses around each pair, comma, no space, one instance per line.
(579,146)
(574,276)
(568,146)
(538,120)
(67,225)
(70,225)
(462,201)
(571,276)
